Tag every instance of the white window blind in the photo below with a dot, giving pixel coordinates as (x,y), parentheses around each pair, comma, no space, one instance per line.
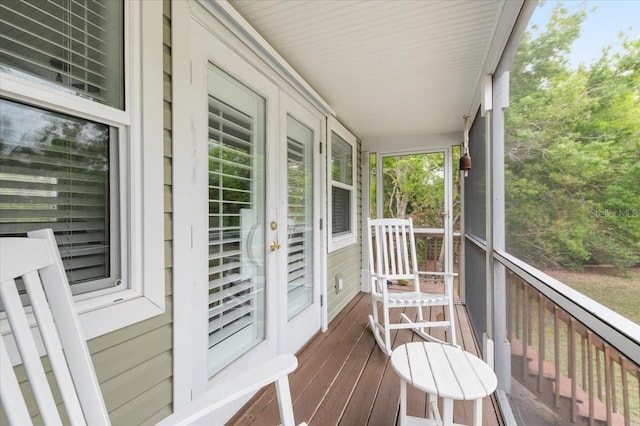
(340,211)
(73,44)
(55,173)
(236,269)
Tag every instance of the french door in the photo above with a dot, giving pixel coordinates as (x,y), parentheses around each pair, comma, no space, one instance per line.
(420,185)
(247,172)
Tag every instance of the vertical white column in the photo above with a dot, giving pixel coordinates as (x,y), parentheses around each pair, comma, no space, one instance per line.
(366,212)
(502,347)
(487,113)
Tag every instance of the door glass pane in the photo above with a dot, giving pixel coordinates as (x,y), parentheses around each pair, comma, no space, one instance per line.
(236,219)
(413,186)
(299,217)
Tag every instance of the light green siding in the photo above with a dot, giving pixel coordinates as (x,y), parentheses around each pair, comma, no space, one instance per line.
(347,262)
(134,364)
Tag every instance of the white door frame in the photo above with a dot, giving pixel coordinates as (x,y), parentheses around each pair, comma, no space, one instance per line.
(189,159)
(448,194)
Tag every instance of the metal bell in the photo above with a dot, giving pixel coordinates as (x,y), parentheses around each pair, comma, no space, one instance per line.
(465,162)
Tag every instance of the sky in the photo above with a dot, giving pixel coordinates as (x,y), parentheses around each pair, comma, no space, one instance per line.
(601,27)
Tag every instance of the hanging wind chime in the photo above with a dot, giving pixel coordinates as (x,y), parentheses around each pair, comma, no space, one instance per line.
(465,159)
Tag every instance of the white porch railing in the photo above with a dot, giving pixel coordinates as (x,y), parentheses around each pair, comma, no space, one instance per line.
(579,358)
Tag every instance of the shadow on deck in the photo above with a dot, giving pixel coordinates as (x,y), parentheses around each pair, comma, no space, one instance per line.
(343,378)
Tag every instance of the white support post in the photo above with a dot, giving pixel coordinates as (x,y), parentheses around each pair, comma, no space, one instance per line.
(365,284)
(502,347)
(489,223)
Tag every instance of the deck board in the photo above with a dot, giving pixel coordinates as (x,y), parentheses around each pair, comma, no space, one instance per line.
(344,378)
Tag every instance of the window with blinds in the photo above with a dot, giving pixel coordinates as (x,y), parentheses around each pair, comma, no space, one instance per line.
(58,170)
(236,218)
(299,217)
(55,173)
(342,185)
(72,44)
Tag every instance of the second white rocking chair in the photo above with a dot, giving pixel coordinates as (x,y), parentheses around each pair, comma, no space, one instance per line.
(392,258)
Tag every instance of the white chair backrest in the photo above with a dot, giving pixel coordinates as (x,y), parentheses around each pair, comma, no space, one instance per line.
(392,251)
(36,260)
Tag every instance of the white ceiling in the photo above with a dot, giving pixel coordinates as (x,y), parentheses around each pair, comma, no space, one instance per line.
(389,69)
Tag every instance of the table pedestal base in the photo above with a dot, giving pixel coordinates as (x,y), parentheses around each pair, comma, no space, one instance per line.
(434,413)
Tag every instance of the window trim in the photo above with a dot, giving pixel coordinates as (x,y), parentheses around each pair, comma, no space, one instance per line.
(141,169)
(346,239)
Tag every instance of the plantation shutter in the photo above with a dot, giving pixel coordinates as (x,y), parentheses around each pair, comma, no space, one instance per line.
(54,173)
(76,44)
(236,273)
(299,217)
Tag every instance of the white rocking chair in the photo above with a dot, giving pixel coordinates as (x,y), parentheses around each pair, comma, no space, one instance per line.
(37,261)
(392,258)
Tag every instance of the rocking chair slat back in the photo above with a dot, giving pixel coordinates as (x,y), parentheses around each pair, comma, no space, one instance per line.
(36,261)
(394,254)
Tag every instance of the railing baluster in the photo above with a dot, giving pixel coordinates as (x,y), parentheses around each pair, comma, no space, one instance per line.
(541,346)
(598,373)
(556,353)
(508,305)
(525,334)
(638,387)
(608,383)
(614,388)
(583,353)
(625,392)
(590,378)
(573,372)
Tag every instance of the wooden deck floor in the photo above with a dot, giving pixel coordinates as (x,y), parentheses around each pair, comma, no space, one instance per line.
(343,378)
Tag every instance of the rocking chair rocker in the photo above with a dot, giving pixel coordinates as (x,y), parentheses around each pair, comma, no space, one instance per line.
(392,258)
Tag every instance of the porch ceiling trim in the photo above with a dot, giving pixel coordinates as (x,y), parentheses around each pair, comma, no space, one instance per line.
(504,29)
(248,35)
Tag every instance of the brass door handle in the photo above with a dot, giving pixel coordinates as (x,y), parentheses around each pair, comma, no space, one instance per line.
(274,246)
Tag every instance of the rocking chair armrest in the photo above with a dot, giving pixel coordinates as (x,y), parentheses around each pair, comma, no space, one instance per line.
(438,274)
(448,281)
(377,277)
(218,396)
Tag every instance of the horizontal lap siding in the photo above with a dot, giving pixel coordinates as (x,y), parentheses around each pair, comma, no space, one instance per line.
(134,364)
(347,262)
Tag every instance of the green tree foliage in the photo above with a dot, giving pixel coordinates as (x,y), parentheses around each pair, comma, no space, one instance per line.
(573,151)
(414,187)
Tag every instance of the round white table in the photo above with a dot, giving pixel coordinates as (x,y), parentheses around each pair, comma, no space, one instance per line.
(443,371)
